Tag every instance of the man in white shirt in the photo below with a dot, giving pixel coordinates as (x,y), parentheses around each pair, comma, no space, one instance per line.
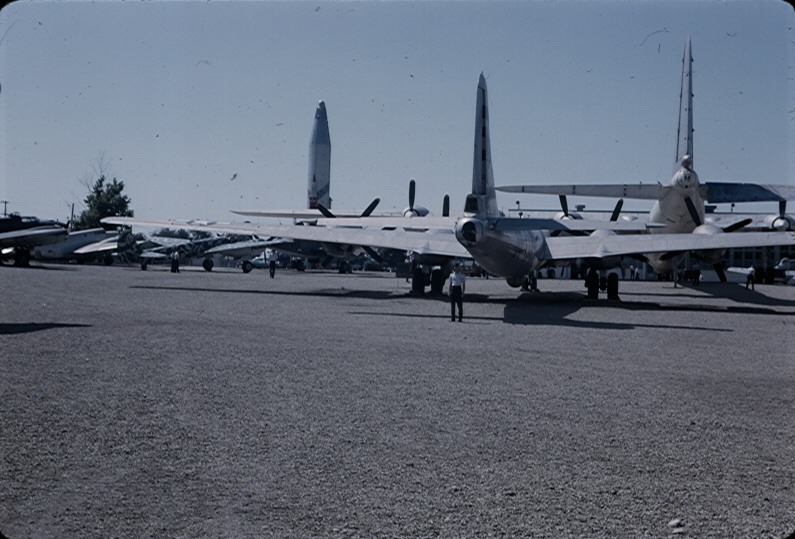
(457,288)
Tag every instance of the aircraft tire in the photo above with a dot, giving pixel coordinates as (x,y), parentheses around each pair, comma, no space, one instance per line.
(208,264)
(144,265)
(22,257)
(107,260)
(247,266)
(418,282)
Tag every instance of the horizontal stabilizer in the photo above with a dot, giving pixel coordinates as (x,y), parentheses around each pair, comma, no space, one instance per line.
(508,223)
(573,247)
(722,192)
(638,191)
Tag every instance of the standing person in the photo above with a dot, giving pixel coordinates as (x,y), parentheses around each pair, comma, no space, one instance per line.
(174,261)
(457,288)
(749,279)
(272,267)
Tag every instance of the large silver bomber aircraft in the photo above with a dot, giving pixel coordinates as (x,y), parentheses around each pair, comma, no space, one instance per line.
(679,206)
(511,248)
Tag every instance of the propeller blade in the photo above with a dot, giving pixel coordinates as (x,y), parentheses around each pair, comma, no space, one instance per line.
(564,205)
(446,206)
(691,208)
(412,189)
(738,225)
(721,273)
(369,209)
(782,207)
(617,210)
(325,211)
(373,254)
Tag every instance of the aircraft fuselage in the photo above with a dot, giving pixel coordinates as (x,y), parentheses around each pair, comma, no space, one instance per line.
(510,254)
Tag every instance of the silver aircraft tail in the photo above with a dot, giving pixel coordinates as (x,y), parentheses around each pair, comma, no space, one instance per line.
(483,199)
(684,139)
(319,186)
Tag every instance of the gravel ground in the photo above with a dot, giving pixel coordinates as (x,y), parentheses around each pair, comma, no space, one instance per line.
(149,404)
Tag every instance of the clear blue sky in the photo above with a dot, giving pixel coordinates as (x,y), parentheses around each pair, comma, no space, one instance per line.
(174,98)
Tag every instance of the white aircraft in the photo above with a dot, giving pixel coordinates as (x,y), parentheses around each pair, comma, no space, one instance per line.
(80,245)
(511,248)
(679,206)
(21,234)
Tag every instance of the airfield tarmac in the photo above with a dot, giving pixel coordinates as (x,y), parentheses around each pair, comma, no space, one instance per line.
(151,404)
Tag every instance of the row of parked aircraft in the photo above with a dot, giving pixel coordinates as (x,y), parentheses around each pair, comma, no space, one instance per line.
(514,248)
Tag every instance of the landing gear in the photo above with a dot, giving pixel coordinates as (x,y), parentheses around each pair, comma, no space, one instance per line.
(592,284)
(208,264)
(107,259)
(612,286)
(22,257)
(247,266)
(437,281)
(606,283)
(418,281)
(144,265)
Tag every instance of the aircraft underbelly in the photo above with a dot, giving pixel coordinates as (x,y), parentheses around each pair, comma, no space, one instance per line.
(512,254)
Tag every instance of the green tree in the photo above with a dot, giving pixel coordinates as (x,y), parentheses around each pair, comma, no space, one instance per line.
(104,200)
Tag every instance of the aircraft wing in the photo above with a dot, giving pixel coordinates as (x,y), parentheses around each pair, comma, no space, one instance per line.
(33,236)
(440,242)
(166,241)
(153,255)
(503,223)
(303,214)
(572,247)
(641,191)
(717,192)
(104,246)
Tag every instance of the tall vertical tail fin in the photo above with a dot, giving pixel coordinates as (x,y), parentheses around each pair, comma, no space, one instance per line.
(684,140)
(483,199)
(319,185)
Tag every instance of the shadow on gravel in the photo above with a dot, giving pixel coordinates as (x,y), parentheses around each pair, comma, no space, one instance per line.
(13,329)
(331,292)
(721,291)
(37,267)
(763,305)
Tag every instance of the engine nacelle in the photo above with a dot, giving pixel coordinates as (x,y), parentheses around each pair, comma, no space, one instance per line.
(469,231)
(780,223)
(416,211)
(571,215)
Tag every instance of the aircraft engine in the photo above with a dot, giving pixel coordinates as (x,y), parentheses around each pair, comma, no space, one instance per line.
(780,223)
(416,211)
(469,231)
(569,215)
